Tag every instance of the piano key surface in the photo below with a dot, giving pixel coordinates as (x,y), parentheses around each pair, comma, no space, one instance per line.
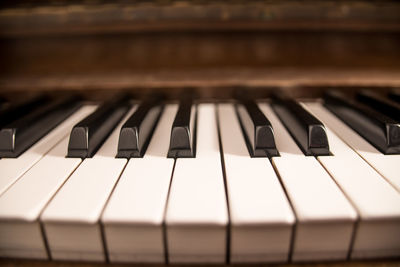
(220,206)
(22,204)
(197,216)
(325,218)
(377,202)
(13,168)
(260,214)
(133,218)
(71,218)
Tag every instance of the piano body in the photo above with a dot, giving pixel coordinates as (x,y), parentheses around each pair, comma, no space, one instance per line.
(208,132)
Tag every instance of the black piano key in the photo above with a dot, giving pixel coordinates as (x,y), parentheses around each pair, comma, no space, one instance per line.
(256,128)
(395,96)
(379,130)
(380,104)
(183,132)
(17,110)
(308,132)
(21,134)
(136,133)
(89,134)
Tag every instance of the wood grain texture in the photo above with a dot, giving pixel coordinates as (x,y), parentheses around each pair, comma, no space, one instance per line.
(24,18)
(209,83)
(34,263)
(208,60)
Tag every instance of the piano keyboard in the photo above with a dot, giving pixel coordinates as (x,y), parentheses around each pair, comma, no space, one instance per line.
(240,182)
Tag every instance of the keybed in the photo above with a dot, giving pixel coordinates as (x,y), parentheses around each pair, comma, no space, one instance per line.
(241,182)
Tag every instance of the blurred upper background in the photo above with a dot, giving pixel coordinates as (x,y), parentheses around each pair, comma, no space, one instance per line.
(86,45)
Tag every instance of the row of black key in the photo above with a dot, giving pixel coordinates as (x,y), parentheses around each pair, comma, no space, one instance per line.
(135,134)
(23,124)
(372,116)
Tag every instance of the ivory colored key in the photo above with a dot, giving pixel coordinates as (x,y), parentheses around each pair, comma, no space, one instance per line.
(197,216)
(13,168)
(261,217)
(325,218)
(71,220)
(21,205)
(376,201)
(133,218)
(386,165)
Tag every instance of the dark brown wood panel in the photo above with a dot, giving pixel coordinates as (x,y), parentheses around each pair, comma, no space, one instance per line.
(35,263)
(41,17)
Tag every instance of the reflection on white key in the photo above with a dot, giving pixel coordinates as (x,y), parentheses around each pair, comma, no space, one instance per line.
(71,220)
(377,202)
(22,203)
(325,217)
(197,213)
(261,217)
(134,215)
(13,168)
(386,165)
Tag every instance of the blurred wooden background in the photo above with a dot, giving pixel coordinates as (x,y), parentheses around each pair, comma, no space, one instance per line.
(210,45)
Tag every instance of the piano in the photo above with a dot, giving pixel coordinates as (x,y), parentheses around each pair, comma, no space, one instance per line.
(199,132)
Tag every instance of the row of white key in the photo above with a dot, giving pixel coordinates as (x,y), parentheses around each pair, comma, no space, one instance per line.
(325,218)
(160,209)
(377,202)
(22,204)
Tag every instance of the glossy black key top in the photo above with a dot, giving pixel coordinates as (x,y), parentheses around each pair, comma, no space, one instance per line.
(136,133)
(88,135)
(395,96)
(308,132)
(17,110)
(256,128)
(183,132)
(21,134)
(380,104)
(379,130)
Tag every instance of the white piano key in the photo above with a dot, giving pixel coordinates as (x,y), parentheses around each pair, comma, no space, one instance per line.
(325,218)
(134,215)
(71,220)
(261,216)
(386,165)
(13,168)
(377,202)
(22,203)
(197,216)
